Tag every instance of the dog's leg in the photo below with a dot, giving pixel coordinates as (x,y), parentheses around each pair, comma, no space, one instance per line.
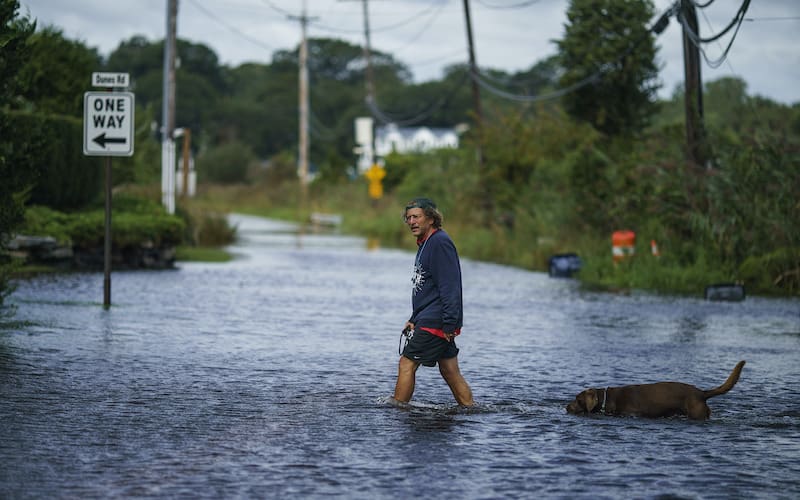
(698,410)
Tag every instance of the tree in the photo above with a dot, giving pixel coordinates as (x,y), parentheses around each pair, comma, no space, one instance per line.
(14,34)
(49,101)
(608,48)
(57,73)
(200,80)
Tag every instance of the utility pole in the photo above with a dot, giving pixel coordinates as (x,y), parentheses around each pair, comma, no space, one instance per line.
(370,80)
(369,84)
(693,87)
(302,166)
(487,202)
(476,93)
(168,110)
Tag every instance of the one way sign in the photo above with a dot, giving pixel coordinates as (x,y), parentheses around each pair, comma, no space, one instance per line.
(108,123)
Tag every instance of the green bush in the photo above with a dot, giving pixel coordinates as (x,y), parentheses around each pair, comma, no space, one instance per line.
(40,221)
(205,228)
(52,146)
(133,221)
(775,272)
(226,164)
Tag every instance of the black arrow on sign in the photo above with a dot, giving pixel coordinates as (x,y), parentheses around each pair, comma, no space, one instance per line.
(102,140)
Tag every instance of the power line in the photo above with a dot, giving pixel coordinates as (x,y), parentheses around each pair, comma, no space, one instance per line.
(422,30)
(381,29)
(386,117)
(737,20)
(787,18)
(279,10)
(519,5)
(319,130)
(233,29)
(696,40)
(657,28)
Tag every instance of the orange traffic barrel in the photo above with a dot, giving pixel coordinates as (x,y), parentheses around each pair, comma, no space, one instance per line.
(623,244)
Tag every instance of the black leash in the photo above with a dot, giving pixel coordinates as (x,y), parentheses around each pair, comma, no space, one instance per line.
(407,333)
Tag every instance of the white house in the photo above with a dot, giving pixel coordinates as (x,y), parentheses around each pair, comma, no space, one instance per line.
(391,138)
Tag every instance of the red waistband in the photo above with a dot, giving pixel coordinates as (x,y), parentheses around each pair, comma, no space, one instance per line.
(439,332)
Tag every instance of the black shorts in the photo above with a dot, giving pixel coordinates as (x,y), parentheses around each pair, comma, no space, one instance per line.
(426,348)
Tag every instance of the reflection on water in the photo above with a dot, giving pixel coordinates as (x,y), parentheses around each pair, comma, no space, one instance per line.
(268,376)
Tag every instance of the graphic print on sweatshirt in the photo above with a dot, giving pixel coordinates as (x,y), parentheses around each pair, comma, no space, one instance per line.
(417,278)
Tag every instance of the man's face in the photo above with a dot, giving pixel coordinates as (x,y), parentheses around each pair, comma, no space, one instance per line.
(418,222)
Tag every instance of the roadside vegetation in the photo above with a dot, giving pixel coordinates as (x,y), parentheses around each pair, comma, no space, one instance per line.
(558,175)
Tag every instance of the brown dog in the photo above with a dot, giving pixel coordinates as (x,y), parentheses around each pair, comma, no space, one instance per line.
(662,399)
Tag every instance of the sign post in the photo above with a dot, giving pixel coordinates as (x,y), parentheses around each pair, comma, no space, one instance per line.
(108,125)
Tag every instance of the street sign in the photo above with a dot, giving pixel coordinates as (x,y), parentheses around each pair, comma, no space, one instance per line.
(110,80)
(108,123)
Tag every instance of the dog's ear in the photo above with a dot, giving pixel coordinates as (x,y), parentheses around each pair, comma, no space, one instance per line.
(590,400)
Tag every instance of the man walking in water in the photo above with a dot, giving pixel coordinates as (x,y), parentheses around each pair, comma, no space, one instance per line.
(437,313)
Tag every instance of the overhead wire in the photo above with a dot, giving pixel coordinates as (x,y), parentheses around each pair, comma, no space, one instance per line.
(710,27)
(412,18)
(386,117)
(784,18)
(233,29)
(697,41)
(278,9)
(656,28)
(319,130)
(422,30)
(753,108)
(518,5)
(736,21)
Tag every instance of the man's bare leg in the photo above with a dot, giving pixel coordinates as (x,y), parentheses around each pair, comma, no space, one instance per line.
(448,367)
(406,378)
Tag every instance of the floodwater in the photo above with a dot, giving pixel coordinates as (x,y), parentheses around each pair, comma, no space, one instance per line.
(268,377)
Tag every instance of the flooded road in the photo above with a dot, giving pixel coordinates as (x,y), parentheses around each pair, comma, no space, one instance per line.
(268,377)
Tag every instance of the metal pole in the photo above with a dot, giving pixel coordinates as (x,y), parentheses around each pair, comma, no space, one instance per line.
(107,245)
(187,139)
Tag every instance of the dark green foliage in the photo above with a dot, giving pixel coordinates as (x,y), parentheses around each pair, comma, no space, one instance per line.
(57,73)
(53,147)
(16,176)
(133,221)
(610,39)
(226,164)
(87,230)
(40,220)
(206,229)
(14,50)
(200,80)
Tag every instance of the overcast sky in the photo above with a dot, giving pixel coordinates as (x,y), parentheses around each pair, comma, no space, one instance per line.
(428,35)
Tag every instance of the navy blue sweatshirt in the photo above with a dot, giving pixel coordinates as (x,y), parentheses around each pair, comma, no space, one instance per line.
(436,296)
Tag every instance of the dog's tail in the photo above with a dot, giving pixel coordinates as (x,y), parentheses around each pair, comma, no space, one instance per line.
(728,385)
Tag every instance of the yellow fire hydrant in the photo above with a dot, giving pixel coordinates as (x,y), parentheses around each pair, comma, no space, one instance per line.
(375,175)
